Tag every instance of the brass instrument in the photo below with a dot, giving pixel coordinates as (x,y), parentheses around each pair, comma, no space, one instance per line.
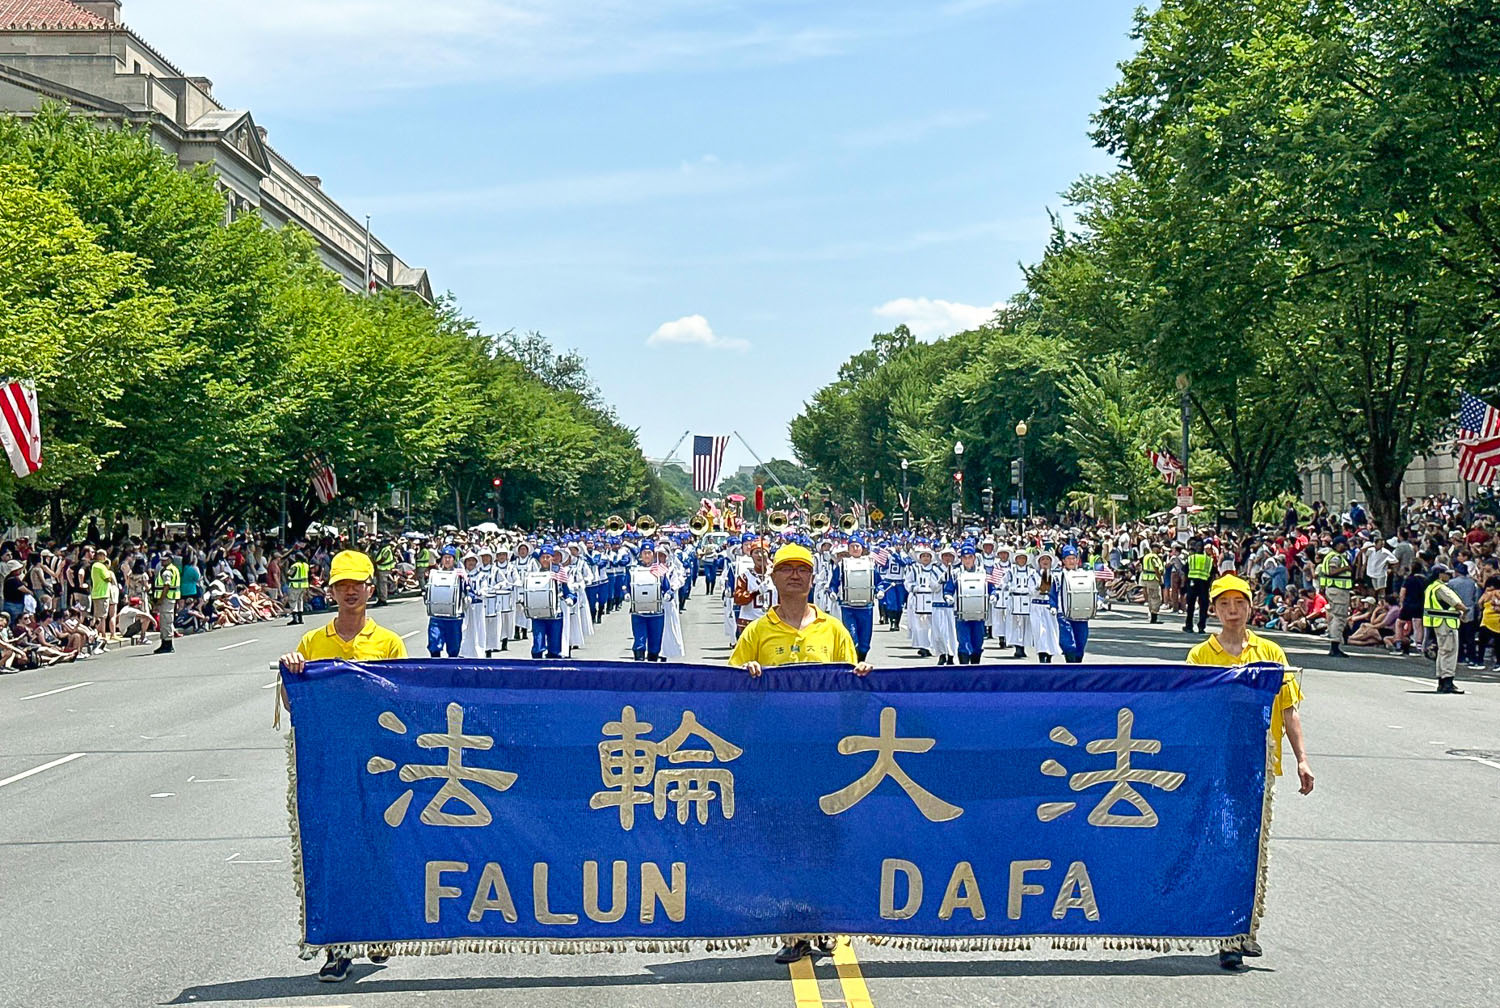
(615,525)
(849,523)
(777,521)
(645,525)
(819,524)
(700,525)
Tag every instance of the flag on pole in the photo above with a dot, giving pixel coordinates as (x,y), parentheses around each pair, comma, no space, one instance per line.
(1478,440)
(881,556)
(996,576)
(708,457)
(20,426)
(325,484)
(560,575)
(1167,464)
(1104,574)
(657,569)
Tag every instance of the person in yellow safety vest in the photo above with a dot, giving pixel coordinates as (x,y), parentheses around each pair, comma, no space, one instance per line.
(298,580)
(1441,611)
(168,583)
(1337,581)
(1151,575)
(385,569)
(1237,644)
(426,560)
(1200,571)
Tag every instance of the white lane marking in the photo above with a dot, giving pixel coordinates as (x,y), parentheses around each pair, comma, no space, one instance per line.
(231,647)
(1476,759)
(45,766)
(210,780)
(412,634)
(234,859)
(60,689)
(270,684)
(1419,682)
(1395,726)
(163,794)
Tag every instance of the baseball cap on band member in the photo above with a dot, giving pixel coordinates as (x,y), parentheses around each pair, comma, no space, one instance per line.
(792,553)
(1229,583)
(350,565)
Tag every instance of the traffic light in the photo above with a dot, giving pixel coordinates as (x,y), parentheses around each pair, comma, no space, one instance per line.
(496,482)
(958,477)
(987,497)
(1015,470)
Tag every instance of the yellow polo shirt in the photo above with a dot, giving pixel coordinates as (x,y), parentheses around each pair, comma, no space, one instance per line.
(1257,649)
(771,641)
(373,643)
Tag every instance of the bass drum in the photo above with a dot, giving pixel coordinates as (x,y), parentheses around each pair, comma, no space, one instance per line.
(858,583)
(973,601)
(645,592)
(446,597)
(1079,597)
(540,598)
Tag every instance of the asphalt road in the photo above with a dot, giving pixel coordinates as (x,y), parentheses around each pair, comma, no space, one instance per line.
(143,838)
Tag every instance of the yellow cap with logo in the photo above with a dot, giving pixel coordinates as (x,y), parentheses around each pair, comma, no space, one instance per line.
(792,553)
(1229,582)
(350,565)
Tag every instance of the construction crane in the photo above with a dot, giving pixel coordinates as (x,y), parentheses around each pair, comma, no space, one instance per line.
(668,456)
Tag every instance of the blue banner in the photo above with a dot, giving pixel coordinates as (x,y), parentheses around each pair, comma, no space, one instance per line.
(486,804)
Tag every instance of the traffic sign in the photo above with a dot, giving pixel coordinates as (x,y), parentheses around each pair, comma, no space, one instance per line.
(1119,497)
(876,514)
(1184,496)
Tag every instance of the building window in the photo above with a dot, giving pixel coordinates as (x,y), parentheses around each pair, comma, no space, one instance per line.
(137,66)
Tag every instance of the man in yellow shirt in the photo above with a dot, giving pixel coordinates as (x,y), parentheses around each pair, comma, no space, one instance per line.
(1236,644)
(794,630)
(353,636)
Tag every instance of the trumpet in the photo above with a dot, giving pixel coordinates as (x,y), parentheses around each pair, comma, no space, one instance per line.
(615,525)
(777,521)
(848,523)
(645,525)
(819,524)
(700,525)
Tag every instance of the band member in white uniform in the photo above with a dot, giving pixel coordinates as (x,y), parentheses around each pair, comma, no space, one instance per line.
(944,625)
(1041,628)
(472,642)
(503,585)
(755,585)
(1019,586)
(525,563)
(921,583)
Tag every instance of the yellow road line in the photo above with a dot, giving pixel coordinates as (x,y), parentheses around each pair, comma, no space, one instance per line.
(856,993)
(805,984)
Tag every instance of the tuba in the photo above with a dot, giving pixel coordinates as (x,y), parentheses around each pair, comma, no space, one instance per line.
(645,525)
(700,525)
(819,524)
(777,521)
(615,525)
(849,522)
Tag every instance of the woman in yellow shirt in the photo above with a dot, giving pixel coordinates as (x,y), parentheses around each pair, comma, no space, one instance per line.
(1236,644)
(1489,621)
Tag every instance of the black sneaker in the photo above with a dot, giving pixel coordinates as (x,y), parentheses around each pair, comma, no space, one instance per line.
(334,970)
(800,949)
(1231,960)
(1251,949)
(380,960)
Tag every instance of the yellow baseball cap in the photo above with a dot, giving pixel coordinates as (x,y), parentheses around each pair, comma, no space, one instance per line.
(792,553)
(350,565)
(1229,582)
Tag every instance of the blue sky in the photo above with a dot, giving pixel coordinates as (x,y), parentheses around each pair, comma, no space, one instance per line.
(716,202)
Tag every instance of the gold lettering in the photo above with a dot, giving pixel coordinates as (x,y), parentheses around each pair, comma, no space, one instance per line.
(1019,887)
(436,891)
(1077,893)
(654,887)
(888,869)
(492,894)
(539,901)
(618,897)
(963,891)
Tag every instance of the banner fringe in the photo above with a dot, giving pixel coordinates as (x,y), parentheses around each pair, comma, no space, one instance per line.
(913,943)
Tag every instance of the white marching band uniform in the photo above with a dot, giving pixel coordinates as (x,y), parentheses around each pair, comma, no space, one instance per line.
(921,582)
(1041,627)
(944,618)
(1020,584)
(671,631)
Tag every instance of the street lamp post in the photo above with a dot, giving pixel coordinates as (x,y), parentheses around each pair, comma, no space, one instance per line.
(905,497)
(1183,384)
(1021,457)
(958,482)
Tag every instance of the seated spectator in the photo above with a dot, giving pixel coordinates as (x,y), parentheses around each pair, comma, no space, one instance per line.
(135,621)
(192,617)
(31,635)
(75,623)
(13,657)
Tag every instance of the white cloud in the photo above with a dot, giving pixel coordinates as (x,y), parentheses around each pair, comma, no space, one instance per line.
(911,130)
(928,318)
(693,330)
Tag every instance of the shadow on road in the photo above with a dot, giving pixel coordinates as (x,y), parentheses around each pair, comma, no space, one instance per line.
(374,979)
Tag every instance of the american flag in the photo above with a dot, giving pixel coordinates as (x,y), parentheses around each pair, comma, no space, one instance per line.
(881,556)
(1104,575)
(325,484)
(560,575)
(1167,464)
(1478,440)
(708,456)
(996,576)
(657,569)
(20,426)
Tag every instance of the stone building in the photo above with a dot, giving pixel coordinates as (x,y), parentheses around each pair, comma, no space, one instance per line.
(1329,479)
(79,52)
